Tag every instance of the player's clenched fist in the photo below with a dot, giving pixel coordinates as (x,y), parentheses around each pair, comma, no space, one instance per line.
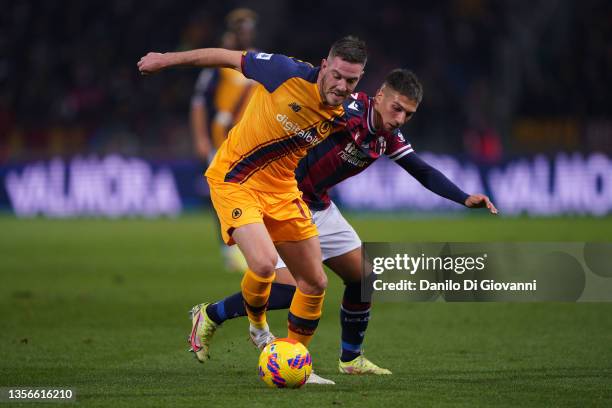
(151,63)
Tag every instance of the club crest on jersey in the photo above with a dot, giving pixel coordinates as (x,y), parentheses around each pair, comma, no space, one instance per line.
(324,127)
(236,213)
(381,145)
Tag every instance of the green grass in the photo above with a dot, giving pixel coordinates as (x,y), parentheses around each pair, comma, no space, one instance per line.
(101,306)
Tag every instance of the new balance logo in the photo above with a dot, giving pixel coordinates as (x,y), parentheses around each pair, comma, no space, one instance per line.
(353,105)
(295,107)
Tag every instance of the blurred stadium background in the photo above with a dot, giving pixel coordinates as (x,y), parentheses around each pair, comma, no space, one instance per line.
(516,105)
(515,101)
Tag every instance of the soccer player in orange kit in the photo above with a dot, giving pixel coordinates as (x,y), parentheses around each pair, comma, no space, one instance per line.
(252,177)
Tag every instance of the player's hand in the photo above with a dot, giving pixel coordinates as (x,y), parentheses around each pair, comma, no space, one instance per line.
(151,63)
(480,201)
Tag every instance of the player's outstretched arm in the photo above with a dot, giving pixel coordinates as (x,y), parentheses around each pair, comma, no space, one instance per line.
(436,182)
(203,57)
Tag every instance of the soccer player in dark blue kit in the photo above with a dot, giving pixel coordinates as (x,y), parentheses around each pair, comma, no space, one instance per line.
(372,131)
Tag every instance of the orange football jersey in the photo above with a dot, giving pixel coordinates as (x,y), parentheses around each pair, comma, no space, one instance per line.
(283,119)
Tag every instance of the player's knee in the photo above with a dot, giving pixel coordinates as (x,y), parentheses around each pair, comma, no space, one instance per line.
(264,265)
(322,283)
(315,285)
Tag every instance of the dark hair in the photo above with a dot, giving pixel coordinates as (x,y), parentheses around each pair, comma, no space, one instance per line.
(406,83)
(350,49)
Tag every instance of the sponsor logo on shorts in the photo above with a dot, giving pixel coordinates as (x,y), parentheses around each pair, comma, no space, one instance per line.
(236,213)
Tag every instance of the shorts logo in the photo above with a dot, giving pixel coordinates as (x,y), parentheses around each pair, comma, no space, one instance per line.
(236,213)
(263,56)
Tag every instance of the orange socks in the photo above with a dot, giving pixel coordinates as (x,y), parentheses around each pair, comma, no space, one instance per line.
(304,315)
(256,291)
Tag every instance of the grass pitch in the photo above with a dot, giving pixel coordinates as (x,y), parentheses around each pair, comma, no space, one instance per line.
(101,307)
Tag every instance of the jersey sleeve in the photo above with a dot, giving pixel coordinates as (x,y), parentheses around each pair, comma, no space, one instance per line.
(432,179)
(271,70)
(398,146)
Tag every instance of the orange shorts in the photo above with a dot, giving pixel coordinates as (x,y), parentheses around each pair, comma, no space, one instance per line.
(285,215)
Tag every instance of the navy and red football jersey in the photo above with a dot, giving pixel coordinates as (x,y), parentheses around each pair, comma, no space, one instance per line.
(347,152)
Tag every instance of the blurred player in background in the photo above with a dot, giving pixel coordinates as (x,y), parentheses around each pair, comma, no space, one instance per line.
(252,177)
(372,131)
(219,99)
